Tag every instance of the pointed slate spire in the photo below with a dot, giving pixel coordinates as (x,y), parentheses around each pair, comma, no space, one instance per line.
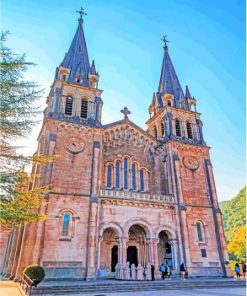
(187,92)
(93,69)
(76,59)
(169,82)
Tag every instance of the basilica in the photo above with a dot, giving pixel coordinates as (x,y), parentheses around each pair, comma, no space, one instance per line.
(120,195)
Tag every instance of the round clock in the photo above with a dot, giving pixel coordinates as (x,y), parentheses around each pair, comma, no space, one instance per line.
(191,163)
(74,145)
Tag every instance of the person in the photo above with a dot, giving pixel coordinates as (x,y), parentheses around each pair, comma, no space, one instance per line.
(169,273)
(237,270)
(152,272)
(163,271)
(243,267)
(182,271)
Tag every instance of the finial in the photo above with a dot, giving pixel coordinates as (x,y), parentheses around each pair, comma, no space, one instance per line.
(165,42)
(81,13)
(126,112)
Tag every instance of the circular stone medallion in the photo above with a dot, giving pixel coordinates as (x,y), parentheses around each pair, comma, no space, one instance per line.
(191,163)
(74,145)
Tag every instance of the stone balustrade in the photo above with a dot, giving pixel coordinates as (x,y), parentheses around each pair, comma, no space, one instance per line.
(141,196)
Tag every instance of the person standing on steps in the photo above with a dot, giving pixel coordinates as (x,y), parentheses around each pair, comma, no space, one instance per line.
(243,268)
(182,271)
(237,270)
(163,271)
(152,272)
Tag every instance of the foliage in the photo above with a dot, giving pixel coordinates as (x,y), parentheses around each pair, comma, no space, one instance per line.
(234,222)
(18,110)
(35,273)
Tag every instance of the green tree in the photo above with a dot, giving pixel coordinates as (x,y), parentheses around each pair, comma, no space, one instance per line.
(18,113)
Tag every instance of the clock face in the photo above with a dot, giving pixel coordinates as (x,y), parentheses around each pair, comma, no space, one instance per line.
(74,145)
(191,163)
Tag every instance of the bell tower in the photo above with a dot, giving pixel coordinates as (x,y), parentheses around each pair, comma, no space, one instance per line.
(183,159)
(74,94)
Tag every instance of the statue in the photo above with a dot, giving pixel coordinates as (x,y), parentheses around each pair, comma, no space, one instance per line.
(117,271)
(127,271)
(140,273)
(133,272)
(148,275)
(121,271)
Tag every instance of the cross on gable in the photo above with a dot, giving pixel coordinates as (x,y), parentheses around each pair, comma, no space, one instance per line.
(126,112)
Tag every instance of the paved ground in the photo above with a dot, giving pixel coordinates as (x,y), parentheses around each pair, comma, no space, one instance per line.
(188,292)
(9,288)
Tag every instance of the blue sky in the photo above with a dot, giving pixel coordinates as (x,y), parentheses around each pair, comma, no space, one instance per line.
(207,47)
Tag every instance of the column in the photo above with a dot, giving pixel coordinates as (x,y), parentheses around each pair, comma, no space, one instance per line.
(155,242)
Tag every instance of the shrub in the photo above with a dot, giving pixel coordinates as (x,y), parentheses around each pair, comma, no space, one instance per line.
(35,273)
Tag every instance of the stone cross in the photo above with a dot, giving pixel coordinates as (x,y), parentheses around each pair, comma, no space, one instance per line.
(81,13)
(126,112)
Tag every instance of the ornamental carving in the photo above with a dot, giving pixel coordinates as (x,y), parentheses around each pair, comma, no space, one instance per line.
(74,145)
(191,163)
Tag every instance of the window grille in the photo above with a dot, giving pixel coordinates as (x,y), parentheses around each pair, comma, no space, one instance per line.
(178,128)
(109,176)
(189,130)
(69,106)
(142,180)
(84,108)
(117,175)
(125,173)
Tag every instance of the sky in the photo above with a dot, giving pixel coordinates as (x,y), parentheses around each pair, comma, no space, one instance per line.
(206,45)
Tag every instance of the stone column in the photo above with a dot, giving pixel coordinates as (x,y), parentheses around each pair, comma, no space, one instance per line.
(124,249)
(155,242)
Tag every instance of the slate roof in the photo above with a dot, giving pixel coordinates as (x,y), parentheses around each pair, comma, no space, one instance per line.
(76,59)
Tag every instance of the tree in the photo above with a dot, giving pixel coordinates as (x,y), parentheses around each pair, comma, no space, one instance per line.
(18,109)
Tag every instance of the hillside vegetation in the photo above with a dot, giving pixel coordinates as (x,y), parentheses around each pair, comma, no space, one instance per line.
(234,222)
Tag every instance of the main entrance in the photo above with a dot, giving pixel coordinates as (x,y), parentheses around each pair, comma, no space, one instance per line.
(132,255)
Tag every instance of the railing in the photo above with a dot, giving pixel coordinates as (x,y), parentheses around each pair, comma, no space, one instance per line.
(26,284)
(141,196)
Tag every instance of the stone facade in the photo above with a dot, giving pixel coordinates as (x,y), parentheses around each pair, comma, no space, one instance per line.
(120,198)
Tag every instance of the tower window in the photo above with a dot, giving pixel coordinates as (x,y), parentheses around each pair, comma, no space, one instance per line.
(169,103)
(78,79)
(68,106)
(125,173)
(162,129)
(134,177)
(64,77)
(66,222)
(142,188)
(84,108)
(199,231)
(155,132)
(178,128)
(117,185)
(109,176)
(189,130)
(204,253)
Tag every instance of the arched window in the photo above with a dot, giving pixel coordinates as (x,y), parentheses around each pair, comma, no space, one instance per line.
(64,77)
(199,231)
(117,185)
(66,224)
(162,129)
(125,173)
(84,108)
(155,132)
(109,177)
(69,106)
(142,188)
(178,128)
(169,103)
(134,177)
(189,130)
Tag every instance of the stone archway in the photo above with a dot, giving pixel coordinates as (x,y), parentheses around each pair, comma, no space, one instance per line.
(138,246)
(109,252)
(164,249)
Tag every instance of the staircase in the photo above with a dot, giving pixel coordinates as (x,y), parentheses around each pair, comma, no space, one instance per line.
(110,286)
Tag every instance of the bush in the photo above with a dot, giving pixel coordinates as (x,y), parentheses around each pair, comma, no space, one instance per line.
(35,273)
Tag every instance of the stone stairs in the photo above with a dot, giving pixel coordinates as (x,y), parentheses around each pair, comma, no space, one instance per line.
(111,286)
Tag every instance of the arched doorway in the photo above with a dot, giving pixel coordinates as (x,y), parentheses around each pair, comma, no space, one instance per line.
(138,246)
(165,252)
(108,252)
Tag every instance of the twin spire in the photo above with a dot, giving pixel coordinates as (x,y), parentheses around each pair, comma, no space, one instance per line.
(76,59)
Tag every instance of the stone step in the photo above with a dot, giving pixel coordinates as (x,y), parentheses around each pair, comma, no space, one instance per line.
(132,286)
